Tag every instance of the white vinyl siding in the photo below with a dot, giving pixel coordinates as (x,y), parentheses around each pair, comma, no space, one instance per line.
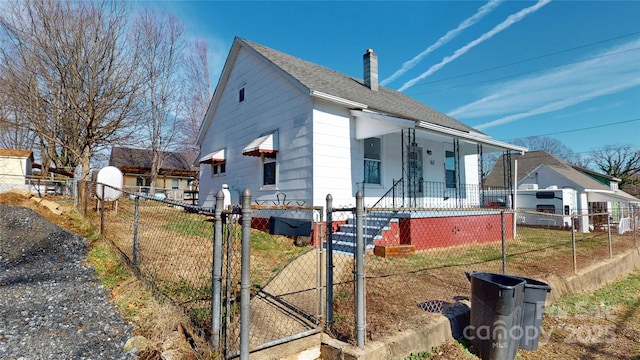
(333,156)
(271,103)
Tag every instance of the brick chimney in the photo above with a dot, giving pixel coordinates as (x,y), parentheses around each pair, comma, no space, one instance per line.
(370,60)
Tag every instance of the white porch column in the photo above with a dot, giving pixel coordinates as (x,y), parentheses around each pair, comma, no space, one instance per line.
(583,209)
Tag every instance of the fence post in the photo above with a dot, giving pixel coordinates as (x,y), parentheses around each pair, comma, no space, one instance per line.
(609,235)
(216,273)
(635,228)
(504,243)
(319,253)
(84,197)
(245,279)
(329,241)
(573,249)
(136,215)
(360,307)
(101,201)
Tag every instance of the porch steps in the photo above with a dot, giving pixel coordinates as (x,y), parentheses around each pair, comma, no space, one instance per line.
(376,222)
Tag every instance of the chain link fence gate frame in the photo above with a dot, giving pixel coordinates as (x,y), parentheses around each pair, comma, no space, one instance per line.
(284,300)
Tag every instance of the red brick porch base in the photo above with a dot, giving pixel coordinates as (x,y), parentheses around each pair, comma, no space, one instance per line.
(434,232)
(429,232)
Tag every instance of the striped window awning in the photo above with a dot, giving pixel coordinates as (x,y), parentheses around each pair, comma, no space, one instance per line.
(214,157)
(267,145)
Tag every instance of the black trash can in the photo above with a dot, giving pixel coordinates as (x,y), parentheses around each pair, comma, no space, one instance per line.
(535,296)
(496,314)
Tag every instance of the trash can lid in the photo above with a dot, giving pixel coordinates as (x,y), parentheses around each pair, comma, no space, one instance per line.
(529,283)
(534,284)
(497,279)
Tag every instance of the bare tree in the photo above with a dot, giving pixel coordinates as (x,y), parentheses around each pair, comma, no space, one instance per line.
(71,73)
(198,94)
(12,134)
(620,161)
(163,42)
(552,146)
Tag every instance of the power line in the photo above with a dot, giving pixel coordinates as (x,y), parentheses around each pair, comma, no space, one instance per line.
(600,149)
(526,72)
(530,59)
(579,129)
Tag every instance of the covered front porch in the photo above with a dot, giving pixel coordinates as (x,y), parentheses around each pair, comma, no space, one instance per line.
(415,164)
(438,195)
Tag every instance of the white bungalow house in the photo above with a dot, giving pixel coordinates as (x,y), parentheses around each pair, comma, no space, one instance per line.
(279,125)
(540,174)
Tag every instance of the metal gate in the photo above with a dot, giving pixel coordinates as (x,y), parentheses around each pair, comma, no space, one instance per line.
(285,271)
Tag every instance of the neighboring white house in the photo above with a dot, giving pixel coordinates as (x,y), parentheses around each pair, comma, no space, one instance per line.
(278,125)
(15,168)
(539,171)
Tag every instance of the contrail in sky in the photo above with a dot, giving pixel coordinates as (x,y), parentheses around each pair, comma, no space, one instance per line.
(512,19)
(561,104)
(558,89)
(482,11)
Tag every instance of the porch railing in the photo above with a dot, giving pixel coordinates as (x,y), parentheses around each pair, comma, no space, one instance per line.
(431,194)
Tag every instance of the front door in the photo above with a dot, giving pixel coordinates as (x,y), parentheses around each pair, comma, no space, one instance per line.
(414,174)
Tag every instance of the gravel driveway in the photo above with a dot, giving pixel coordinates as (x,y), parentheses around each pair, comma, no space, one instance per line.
(51,304)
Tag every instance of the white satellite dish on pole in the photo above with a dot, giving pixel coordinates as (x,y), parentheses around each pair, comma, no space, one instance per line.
(111,177)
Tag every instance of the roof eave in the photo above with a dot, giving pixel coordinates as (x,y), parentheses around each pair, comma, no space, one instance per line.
(480,138)
(338,100)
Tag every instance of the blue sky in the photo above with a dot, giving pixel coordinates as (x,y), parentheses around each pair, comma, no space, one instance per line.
(564,69)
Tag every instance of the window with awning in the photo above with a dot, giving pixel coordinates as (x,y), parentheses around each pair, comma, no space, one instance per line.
(266,145)
(217,156)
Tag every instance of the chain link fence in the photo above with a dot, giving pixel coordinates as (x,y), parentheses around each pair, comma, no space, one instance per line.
(261,273)
(41,187)
(196,258)
(416,261)
(168,244)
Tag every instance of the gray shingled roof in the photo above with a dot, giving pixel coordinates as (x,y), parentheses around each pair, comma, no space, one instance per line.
(322,79)
(122,157)
(531,160)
